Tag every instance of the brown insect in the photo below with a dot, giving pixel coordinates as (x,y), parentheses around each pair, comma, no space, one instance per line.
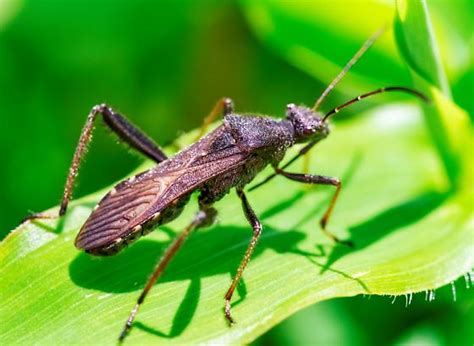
(228,157)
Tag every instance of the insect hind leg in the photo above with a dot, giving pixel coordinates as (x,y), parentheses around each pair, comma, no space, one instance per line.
(124,129)
(205,217)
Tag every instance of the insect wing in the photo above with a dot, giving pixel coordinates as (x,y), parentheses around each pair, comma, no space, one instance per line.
(135,201)
(118,210)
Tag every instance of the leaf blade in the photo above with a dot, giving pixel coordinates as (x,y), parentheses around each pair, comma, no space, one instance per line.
(72,297)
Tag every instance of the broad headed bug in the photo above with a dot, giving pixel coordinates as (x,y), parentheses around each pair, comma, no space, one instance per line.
(228,157)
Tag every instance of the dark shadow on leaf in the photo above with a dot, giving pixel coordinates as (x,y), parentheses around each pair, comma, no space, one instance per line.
(321,254)
(207,253)
(187,309)
(325,267)
(381,225)
(241,292)
(88,204)
(56,229)
(184,314)
(346,179)
(283,205)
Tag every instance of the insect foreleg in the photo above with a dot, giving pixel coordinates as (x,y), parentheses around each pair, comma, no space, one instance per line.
(321,180)
(203,218)
(257,231)
(224,105)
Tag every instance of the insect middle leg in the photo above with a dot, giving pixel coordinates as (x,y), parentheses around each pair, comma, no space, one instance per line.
(224,105)
(321,180)
(205,217)
(257,231)
(124,129)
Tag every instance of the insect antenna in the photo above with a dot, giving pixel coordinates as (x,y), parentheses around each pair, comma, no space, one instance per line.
(331,86)
(372,93)
(311,144)
(348,66)
(325,93)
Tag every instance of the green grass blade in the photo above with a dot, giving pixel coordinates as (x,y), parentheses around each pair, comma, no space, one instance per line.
(450,131)
(410,236)
(417,42)
(412,232)
(319,38)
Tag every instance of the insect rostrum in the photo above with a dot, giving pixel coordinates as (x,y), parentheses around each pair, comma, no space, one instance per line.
(228,157)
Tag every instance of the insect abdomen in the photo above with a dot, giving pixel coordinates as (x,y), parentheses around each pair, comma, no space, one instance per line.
(164,216)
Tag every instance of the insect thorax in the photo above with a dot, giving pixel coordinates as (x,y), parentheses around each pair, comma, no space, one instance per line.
(264,139)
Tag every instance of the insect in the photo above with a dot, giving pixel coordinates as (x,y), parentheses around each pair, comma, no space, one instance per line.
(228,157)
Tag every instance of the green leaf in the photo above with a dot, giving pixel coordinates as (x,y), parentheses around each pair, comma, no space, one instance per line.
(412,233)
(319,38)
(449,127)
(410,236)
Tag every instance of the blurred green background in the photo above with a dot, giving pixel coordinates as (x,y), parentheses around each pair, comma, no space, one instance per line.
(164,64)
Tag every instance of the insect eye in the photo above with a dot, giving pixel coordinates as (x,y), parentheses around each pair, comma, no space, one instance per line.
(291,109)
